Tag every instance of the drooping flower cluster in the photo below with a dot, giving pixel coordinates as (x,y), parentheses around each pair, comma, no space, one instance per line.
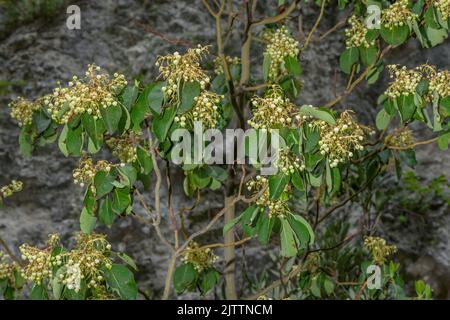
(72,277)
(443,6)
(124,147)
(201,258)
(400,139)
(39,266)
(356,34)
(397,15)
(218,63)
(7,269)
(89,95)
(288,162)
(22,110)
(85,172)
(207,110)
(86,261)
(405,81)
(276,208)
(10,189)
(280,45)
(439,82)
(175,69)
(339,142)
(379,249)
(273,111)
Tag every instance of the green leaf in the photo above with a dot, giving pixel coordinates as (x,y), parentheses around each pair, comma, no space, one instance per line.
(125,120)
(368,55)
(406,106)
(161,125)
(121,200)
(444,141)
(208,280)
(383,119)
(3,286)
(129,96)
(430,18)
(105,213)
(297,181)
(396,35)
(57,286)
(94,128)
(41,121)
(121,280)
(190,91)
(74,141)
(128,174)
(436,36)
(127,259)
(184,277)
(292,66)
(265,226)
(328,285)
(144,160)
(320,114)
(230,224)
(89,201)
(328,176)
(156,97)
(111,117)
(87,222)
(62,141)
(277,184)
(288,244)
(141,108)
(103,183)
(348,58)
(38,292)
(302,229)
(217,173)
(25,142)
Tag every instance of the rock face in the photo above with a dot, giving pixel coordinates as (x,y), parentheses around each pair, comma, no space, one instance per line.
(124,36)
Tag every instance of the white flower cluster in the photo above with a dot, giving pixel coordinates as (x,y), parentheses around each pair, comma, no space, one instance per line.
(39,265)
(339,142)
(397,15)
(440,83)
(207,109)
(96,92)
(22,110)
(443,6)
(124,147)
(85,172)
(276,208)
(287,162)
(273,111)
(356,34)
(280,45)
(73,277)
(10,189)
(201,258)
(405,81)
(218,63)
(176,69)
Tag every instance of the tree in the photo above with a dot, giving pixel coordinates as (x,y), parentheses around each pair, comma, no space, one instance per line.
(327,159)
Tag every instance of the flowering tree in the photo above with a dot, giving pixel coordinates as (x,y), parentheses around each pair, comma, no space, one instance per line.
(327,159)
